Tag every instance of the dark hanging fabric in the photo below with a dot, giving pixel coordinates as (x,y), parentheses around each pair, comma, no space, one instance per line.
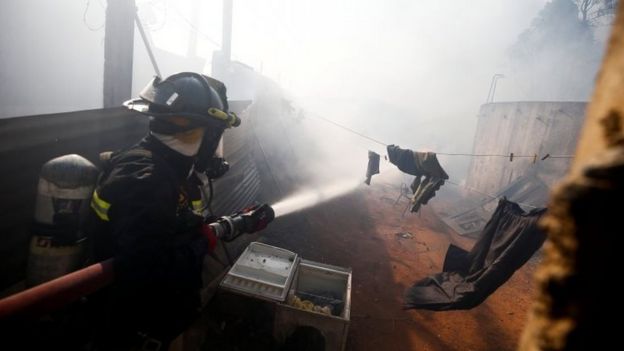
(429,173)
(425,191)
(508,240)
(373,166)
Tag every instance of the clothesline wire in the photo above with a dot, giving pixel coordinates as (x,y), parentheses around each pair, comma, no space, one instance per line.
(350,130)
(438,153)
(448,154)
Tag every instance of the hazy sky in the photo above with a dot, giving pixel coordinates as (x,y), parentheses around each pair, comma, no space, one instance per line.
(395,51)
(409,72)
(408,53)
(421,66)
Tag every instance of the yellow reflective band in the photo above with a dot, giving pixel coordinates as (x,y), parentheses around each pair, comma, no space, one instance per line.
(231,119)
(100,207)
(197,204)
(215,112)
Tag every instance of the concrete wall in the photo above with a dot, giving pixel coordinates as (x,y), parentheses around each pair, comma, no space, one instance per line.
(524,128)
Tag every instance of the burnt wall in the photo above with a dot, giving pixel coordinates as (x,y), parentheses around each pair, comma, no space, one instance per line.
(524,128)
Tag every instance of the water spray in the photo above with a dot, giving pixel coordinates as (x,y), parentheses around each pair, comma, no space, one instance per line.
(310,198)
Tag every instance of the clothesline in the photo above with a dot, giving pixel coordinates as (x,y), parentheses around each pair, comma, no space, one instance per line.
(511,156)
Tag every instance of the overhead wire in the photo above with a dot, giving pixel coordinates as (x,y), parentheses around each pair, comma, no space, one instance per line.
(165,14)
(350,130)
(84,17)
(195,28)
(512,155)
(447,154)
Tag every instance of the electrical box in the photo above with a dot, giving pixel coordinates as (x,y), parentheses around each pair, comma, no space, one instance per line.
(304,293)
(262,271)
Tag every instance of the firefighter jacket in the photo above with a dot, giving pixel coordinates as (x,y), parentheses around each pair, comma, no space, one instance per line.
(141,215)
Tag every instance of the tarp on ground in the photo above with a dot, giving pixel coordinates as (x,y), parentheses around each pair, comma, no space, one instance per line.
(508,241)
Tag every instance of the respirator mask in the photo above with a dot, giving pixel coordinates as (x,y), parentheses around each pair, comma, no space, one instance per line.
(210,159)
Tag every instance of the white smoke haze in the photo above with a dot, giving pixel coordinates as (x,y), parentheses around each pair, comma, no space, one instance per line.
(313,196)
(411,73)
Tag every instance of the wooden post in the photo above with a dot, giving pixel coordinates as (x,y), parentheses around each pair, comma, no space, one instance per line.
(118,52)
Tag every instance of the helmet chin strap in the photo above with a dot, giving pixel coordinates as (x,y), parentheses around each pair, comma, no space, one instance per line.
(185,148)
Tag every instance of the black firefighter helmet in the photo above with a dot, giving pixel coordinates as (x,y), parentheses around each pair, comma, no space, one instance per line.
(200,99)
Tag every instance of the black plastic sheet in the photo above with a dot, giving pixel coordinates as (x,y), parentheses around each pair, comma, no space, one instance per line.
(507,242)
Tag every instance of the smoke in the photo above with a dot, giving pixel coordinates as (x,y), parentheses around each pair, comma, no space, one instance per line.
(403,72)
(411,73)
(313,197)
(51,56)
(408,73)
(557,57)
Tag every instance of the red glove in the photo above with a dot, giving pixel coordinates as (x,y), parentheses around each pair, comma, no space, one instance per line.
(209,234)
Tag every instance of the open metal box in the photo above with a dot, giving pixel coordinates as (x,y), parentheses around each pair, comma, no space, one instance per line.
(273,274)
(318,280)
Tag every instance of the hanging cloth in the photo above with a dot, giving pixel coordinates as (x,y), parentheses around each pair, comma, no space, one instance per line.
(429,173)
(373,166)
(508,240)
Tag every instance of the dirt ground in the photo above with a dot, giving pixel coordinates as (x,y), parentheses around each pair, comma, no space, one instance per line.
(360,230)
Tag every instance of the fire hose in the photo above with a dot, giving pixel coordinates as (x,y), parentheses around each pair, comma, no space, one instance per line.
(64,290)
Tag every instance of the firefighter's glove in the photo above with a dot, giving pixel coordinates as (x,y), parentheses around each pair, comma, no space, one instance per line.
(209,235)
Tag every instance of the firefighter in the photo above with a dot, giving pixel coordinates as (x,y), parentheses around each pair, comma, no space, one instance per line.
(141,214)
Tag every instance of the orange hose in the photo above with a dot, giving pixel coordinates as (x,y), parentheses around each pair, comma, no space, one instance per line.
(57,293)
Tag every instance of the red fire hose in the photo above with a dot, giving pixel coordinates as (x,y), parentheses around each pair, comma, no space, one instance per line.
(57,293)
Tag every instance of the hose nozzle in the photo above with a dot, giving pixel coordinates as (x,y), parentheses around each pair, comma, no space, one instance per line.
(249,220)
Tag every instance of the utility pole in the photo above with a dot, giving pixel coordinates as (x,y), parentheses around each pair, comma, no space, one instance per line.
(118,52)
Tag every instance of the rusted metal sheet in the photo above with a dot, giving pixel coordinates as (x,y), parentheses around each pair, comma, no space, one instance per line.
(470,219)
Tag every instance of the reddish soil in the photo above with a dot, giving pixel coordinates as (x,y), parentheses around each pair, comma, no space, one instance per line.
(360,231)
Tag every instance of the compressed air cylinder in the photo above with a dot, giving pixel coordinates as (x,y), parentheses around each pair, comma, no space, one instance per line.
(63,194)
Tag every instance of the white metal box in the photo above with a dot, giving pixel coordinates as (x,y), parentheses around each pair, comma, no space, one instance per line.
(262,271)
